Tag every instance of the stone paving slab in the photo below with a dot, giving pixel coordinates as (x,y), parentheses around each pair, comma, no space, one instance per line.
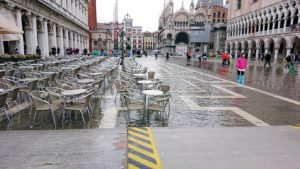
(64,149)
(228,148)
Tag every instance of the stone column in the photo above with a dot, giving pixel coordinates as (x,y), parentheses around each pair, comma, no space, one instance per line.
(54,39)
(34,33)
(46,39)
(75,41)
(285,23)
(273,26)
(288,51)
(259,28)
(19,24)
(249,53)
(41,37)
(257,53)
(66,39)
(236,53)
(61,41)
(71,39)
(1,45)
(269,25)
(276,54)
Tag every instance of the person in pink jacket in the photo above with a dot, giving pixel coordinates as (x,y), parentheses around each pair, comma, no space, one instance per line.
(241,66)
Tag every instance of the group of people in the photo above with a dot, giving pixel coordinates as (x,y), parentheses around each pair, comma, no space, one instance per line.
(226,58)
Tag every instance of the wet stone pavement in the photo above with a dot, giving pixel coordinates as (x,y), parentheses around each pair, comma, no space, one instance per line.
(203,95)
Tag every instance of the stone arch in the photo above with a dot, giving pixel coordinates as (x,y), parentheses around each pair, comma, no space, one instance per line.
(281,45)
(270,45)
(182,37)
(295,45)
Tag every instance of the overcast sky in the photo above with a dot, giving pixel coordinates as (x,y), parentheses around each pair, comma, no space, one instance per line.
(144,12)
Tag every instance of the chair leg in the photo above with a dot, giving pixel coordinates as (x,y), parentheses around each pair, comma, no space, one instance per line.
(82,117)
(53,116)
(34,117)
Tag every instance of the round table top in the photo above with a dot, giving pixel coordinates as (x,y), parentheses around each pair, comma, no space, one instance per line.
(2,90)
(26,67)
(137,69)
(67,68)
(27,79)
(139,75)
(73,92)
(85,81)
(48,73)
(153,92)
(36,65)
(145,82)
(96,74)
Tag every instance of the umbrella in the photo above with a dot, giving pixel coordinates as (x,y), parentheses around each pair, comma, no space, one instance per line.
(8,27)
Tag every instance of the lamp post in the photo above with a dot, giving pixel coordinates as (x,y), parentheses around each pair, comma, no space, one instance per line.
(122,34)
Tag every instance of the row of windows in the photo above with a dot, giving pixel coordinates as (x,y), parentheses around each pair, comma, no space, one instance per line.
(139,46)
(149,43)
(219,15)
(218,20)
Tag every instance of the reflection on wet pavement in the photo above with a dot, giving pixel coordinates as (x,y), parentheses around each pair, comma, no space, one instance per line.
(205,96)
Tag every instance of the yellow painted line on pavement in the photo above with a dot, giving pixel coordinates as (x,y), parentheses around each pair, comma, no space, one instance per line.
(142,151)
(296,126)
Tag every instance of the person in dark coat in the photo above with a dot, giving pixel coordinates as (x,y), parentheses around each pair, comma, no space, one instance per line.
(268,58)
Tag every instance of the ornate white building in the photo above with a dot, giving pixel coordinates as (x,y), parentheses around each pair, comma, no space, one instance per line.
(47,24)
(259,26)
(192,29)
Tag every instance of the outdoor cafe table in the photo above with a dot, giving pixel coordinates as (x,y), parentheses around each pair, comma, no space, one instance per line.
(75,92)
(140,75)
(26,67)
(27,80)
(85,81)
(145,82)
(48,73)
(148,94)
(36,65)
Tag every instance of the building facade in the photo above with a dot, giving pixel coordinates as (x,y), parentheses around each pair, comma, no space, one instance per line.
(102,37)
(192,29)
(148,41)
(46,23)
(257,27)
(134,35)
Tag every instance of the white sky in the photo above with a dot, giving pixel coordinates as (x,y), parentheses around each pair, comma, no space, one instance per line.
(144,12)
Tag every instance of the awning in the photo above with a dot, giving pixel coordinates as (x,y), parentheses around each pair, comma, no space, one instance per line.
(8,27)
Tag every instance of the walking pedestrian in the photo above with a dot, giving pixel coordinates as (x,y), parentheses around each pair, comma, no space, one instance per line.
(204,57)
(241,66)
(268,59)
(167,56)
(156,55)
(224,58)
(38,51)
(288,62)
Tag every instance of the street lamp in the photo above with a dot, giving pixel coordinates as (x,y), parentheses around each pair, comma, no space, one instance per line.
(122,34)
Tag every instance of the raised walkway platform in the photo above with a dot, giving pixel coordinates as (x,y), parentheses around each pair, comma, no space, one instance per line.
(172,148)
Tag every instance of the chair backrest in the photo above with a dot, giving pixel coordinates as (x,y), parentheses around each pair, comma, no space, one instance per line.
(33,85)
(117,85)
(151,75)
(165,88)
(10,72)
(3,97)
(13,94)
(2,73)
(145,70)
(36,98)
